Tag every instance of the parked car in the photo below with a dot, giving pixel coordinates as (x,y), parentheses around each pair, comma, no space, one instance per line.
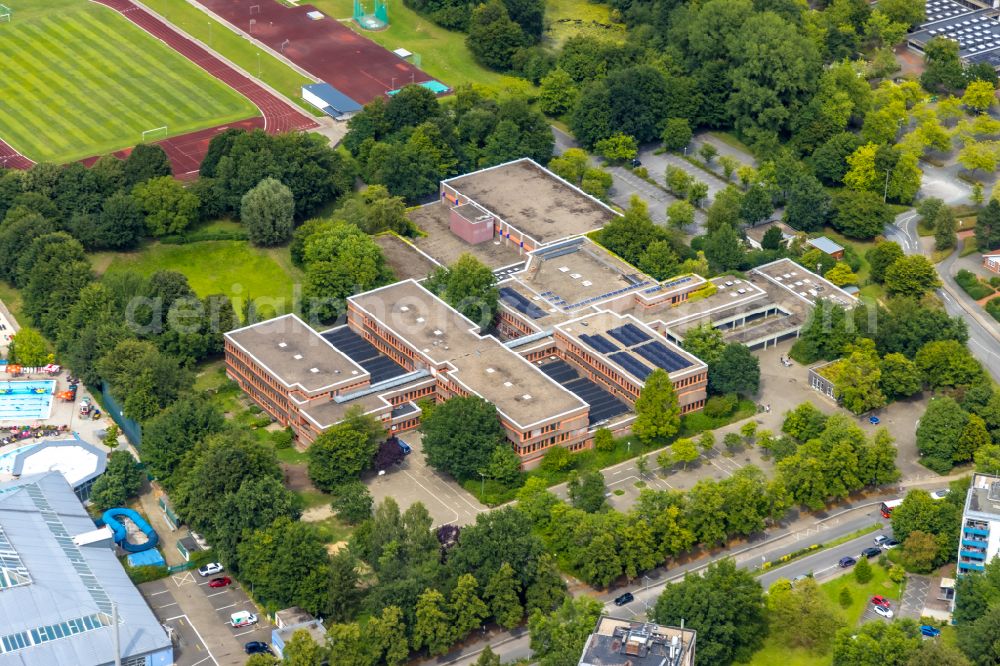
(210,569)
(883,611)
(871,552)
(257,647)
(880,540)
(404,447)
(879,600)
(874,420)
(940,494)
(628,597)
(929,631)
(847,562)
(242,619)
(636,162)
(223,581)
(890,544)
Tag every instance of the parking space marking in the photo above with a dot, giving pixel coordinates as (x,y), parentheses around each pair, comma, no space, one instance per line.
(183,578)
(244,633)
(153,594)
(225,607)
(196,633)
(720,467)
(215,594)
(431,493)
(199,662)
(172,603)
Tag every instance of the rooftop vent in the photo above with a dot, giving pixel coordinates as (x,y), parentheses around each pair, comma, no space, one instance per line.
(298,357)
(404,308)
(507,384)
(586,283)
(282,344)
(575,276)
(438,332)
(490,370)
(526,396)
(354,372)
(420,320)
(564,269)
(314,370)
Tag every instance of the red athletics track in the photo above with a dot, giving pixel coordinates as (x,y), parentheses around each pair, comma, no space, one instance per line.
(330,51)
(186,151)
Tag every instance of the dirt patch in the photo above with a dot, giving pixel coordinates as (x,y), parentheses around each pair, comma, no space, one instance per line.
(297,478)
(317,514)
(406,262)
(335,548)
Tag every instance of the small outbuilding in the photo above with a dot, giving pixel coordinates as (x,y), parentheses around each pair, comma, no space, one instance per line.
(991,261)
(330,101)
(755,235)
(827,246)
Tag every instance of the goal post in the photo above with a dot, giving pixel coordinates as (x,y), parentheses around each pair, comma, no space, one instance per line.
(6,13)
(154,134)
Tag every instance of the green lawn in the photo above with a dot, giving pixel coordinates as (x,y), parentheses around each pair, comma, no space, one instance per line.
(220,38)
(81,80)
(234,268)
(567,18)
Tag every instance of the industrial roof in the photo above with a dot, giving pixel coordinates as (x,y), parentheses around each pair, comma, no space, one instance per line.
(824,244)
(338,102)
(60,611)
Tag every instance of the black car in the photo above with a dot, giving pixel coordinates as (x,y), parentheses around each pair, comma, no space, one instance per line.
(636,162)
(847,562)
(624,599)
(871,552)
(257,647)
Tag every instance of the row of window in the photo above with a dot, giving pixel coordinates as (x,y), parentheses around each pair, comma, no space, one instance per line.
(248,376)
(252,368)
(688,381)
(386,342)
(51,632)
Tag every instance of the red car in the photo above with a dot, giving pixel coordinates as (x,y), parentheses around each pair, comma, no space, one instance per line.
(220,582)
(879,600)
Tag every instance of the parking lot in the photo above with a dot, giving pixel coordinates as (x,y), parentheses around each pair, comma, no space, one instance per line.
(198,616)
(413,481)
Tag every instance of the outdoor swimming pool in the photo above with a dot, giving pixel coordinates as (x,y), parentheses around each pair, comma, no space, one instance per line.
(7,457)
(26,400)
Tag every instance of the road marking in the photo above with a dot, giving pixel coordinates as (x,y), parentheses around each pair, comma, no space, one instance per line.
(225,607)
(183,579)
(244,633)
(196,633)
(215,594)
(431,493)
(173,603)
(198,662)
(153,594)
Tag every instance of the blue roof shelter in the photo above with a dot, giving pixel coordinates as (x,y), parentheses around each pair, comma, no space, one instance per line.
(330,101)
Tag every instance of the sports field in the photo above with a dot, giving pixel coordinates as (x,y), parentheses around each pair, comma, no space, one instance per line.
(80,80)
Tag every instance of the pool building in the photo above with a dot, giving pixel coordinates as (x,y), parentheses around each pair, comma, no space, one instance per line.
(80,463)
(61,585)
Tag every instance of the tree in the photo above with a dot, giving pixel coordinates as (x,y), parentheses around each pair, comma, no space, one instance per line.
(724,249)
(389,634)
(120,225)
(676,134)
(860,214)
(28,348)
(978,155)
(680,214)
(945,237)
(708,152)
(725,209)
(488,658)
(920,551)
(146,380)
(936,653)
(353,503)
(705,341)
(168,206)
(737,370)
(169,435)
(862,571)
(947,363)
(980,640)
(617,147)
(845,597)
(678,180)
(122,480)
(557,639)
(756,205)
(460,436)
(880,257)
(587,491)
(856,378)
(267,212)
(286,548)
(432,628)
(684,451)
(342,452)
(493,36)
(302,650)
(697,192)
(146,161)
(940,429)
(503,596)
(912,275)
(467,609)
(558,93)
(974,437)
(988,226)
(725,606)
(900,377)
(657,412)
(800,616)
(979,96)
(943,69)
(548,590)
(469,286)
(830,159)
(875,643)
(841,275)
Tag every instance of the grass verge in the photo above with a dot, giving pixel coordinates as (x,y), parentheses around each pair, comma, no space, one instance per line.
(791,557)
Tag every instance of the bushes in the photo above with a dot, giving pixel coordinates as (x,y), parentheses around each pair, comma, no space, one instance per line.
(993,308)
(144,574)
(206,235)
(721,405)
(973,286)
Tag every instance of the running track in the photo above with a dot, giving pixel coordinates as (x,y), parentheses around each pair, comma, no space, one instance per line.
(186,151)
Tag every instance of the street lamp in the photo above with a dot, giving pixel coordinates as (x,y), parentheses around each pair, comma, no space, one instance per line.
(258,64)
(646,579)
(482,485)
(209,33)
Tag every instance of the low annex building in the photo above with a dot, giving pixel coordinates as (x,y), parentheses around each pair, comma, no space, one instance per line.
(578,330)
(619,642)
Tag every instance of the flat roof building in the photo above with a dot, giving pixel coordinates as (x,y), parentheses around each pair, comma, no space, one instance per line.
(60,587)
(80,463)
(980,538)
(619,642)
(974,26)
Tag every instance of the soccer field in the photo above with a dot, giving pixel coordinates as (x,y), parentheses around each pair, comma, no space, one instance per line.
(79,79)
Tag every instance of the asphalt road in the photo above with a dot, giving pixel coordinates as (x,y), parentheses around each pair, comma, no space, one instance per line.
(982,341)
(824,563)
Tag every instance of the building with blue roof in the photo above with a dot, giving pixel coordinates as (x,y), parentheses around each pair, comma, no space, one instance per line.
(61,585)
(330,101)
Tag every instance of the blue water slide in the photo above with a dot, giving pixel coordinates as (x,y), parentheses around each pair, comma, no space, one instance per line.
(120,533)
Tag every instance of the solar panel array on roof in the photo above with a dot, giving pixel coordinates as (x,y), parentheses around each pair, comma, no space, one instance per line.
(520,303)
(603,405)
(365,354)
(661,356)
(600,343)
(629,335)
(632,364)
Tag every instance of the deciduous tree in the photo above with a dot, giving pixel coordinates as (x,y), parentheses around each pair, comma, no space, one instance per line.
(657,411)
